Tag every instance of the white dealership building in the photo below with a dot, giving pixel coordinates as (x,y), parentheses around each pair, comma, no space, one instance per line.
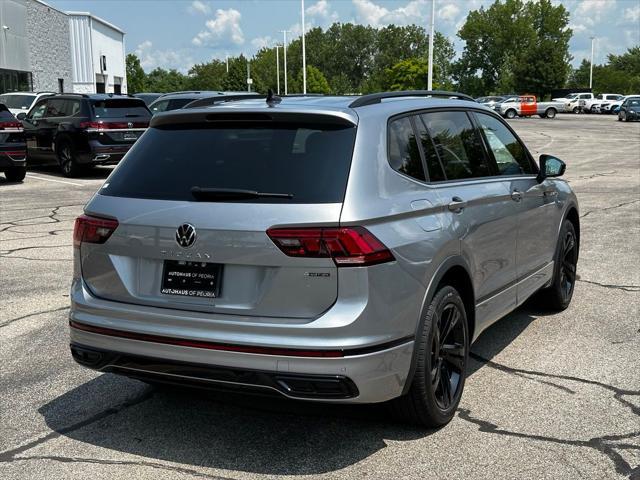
(97,55)
(43,48)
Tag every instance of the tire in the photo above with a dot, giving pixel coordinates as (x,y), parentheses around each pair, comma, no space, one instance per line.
(576,110)
(511,114)
(15,174)
(67,159)
(542,115)
(558,295)
(438,381)
(550,113)
(619,118)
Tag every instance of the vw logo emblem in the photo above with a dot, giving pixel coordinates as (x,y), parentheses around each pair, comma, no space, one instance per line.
(186,235)
(130,125)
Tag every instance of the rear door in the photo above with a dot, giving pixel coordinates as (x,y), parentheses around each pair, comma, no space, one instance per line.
(535,203)
(480,211)
(48,127)
(150,194)
(31,124)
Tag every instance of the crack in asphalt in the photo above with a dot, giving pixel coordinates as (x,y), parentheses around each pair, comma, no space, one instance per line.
(51,216)
(161,466)
(4,253)
(604,174)
(39,259)
(618,392)
(10,455)
(602,444)
(626,288)
(624,204)
(9,322)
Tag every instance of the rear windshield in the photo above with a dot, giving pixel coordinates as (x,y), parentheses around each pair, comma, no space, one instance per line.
(22,102)
(119,108)
(309,162)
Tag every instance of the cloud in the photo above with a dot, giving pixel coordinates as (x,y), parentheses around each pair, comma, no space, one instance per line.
(199,7)
(222,30)
(322,12)
(448,13)
(262,42)
(632,14)
(149,59)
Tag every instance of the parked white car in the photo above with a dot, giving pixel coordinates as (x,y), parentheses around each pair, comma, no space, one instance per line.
(613,107)
(593,106)
(577,103)
(21,102)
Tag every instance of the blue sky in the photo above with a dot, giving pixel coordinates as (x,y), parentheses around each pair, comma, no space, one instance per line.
(179,33)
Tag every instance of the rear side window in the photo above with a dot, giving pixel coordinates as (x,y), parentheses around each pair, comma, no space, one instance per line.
(55,107)
(404,155)
(509,153)
(119,108)
(166,162)
(434,167)
(458,145)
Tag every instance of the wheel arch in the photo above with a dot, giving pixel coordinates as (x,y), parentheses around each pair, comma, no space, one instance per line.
(453,271)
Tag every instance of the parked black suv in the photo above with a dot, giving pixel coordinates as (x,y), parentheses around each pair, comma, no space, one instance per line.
(12,147)
(77,130)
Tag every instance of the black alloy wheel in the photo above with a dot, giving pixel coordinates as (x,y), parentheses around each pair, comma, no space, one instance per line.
(448,356)
(67,160)
(569,259)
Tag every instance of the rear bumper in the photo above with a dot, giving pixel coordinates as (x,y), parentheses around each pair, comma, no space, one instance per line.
(12,158)
(367,378)
(291,385)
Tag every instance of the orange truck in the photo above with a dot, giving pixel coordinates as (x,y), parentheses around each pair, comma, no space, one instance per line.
(527,106)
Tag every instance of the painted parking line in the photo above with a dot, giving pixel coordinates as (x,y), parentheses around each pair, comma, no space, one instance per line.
(46,179)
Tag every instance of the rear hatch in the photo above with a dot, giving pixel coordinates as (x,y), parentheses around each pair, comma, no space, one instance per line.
(194,201)
(12,142)
(118,121)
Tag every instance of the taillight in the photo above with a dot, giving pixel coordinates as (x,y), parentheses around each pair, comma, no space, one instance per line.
(113,125)
(348,246)
(11,126)
(89,229)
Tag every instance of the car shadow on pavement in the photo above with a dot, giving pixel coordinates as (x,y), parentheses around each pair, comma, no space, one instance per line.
(93,173)
(263,435)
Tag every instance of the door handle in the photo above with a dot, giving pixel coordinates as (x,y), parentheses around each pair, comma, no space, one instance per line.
(550,192)
(516,195)
(456,205)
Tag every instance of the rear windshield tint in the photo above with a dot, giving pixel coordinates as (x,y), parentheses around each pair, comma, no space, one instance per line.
(119,108)
(310,162)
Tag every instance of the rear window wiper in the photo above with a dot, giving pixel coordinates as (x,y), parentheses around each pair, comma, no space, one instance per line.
(216,194)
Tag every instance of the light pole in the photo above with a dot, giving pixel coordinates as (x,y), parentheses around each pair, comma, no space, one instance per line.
(248,75)
(591,67)
(278,47)
(227,59)
(304,56)
(284,47)
(433,22)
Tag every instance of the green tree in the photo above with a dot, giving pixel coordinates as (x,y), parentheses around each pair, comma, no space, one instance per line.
(316,81)
(136,78)
(207,76)
(621,74)
(514,45)
(236,79)
(161,80)
(410,74)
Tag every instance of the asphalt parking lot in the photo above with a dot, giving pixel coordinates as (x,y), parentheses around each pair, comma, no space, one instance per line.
(548,395)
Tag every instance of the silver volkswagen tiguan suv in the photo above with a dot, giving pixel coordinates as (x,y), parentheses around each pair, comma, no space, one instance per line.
(341,249)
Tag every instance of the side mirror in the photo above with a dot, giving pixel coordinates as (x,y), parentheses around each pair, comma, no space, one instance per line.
(21,116)
(550,166)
